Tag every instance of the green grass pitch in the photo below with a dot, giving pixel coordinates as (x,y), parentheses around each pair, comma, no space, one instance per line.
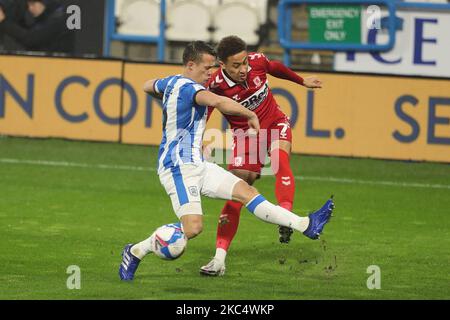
(66,203)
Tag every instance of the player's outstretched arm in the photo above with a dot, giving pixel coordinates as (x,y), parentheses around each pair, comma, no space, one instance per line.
(227,106)
(149,88)
(279,70)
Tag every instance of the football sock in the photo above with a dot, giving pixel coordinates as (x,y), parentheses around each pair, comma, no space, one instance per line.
(228,224)
(284,180)
(141,249)
(271,213)
(221,254)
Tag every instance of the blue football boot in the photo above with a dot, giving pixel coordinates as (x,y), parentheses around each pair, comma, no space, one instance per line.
(129,264)
(318,219)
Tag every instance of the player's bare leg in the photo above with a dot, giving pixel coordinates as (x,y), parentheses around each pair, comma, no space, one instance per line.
(285,182)
(192,225)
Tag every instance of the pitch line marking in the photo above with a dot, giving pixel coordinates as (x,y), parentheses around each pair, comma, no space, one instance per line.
(149,169)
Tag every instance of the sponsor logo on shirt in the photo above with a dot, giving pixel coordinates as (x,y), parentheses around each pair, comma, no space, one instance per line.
(255,100)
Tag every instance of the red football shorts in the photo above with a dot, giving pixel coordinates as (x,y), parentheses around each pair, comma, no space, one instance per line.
(250,152)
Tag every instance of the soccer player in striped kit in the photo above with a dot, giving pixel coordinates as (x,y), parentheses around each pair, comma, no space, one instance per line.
(182,170)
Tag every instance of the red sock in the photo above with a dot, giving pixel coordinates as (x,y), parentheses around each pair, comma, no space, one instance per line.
(228,224)
(284,183)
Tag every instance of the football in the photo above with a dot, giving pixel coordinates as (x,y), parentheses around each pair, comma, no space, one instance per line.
(169,241)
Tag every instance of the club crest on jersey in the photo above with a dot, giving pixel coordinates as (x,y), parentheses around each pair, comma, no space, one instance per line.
(257,81)
(255,100)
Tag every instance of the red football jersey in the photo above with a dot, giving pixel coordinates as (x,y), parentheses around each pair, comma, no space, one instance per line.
(254,94)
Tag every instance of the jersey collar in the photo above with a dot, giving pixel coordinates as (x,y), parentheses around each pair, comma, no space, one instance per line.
(228,80)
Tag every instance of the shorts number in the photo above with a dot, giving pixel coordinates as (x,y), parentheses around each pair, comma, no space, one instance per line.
(283,132)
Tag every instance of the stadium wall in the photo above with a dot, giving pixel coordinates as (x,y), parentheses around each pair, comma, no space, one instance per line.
(388,117)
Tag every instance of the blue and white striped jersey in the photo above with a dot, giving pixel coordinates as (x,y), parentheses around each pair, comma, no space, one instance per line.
(184,122)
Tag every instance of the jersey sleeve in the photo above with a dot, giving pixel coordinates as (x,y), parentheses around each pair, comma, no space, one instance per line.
(160,85)
(275,68)
(190,91)
(279,70)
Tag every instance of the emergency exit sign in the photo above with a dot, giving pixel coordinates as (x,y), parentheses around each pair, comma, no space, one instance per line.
(337,24)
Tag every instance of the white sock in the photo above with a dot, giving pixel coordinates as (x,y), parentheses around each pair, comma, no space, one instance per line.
(141,249)
(271,213)
(221,254)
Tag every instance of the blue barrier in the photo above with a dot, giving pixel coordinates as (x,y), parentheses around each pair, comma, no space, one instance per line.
(285,25)
(111,34)
(422,5)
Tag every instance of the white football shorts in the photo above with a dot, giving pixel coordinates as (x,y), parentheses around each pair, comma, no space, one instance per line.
(186,183)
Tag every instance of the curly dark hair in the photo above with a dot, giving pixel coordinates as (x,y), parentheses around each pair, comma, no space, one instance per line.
(194,51)
(229,46)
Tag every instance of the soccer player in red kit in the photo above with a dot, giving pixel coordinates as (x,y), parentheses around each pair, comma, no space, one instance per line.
(242,76)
